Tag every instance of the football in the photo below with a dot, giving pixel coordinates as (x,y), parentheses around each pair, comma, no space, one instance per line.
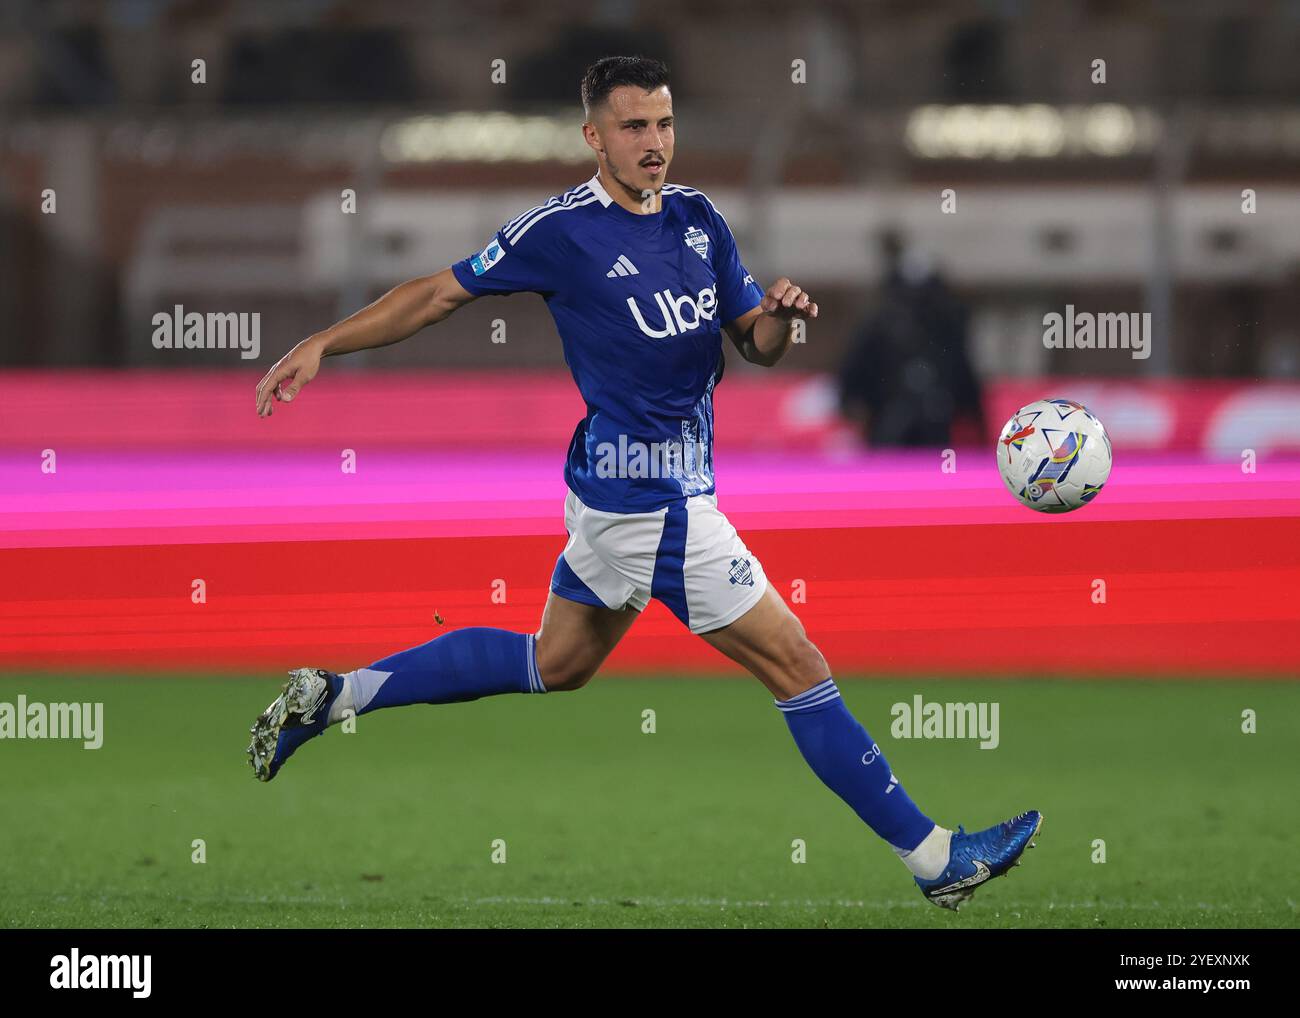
(1054,455)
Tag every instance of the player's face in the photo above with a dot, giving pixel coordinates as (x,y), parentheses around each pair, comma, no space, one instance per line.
(634,137)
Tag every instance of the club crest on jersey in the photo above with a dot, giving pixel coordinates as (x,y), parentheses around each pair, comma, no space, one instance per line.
(486,258)
(741,574)
(699,242)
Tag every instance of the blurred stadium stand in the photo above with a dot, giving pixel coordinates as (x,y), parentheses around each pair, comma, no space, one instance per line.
(225,195)
(1120,197)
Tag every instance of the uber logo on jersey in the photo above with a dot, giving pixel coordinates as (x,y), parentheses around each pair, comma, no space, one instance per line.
(679,314)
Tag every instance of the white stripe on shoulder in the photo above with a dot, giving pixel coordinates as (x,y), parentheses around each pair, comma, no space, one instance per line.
(693,192)
(578,196)
(551,203)
(553,200)
(519,234)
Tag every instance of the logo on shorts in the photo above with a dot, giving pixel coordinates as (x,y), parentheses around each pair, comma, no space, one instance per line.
(741,574)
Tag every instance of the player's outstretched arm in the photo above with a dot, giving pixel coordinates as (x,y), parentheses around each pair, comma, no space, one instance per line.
(763,334)
(401,312)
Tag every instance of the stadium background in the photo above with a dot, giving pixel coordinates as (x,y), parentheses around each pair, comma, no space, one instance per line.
(226,196)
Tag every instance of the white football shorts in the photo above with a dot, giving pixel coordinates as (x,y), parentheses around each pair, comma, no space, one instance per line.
(687,555)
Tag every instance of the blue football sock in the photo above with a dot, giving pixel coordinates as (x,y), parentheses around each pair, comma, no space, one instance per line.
(841,753)
(462,665)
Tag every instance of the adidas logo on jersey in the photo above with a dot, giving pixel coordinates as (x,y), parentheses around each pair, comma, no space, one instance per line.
(622,267)
(679,314)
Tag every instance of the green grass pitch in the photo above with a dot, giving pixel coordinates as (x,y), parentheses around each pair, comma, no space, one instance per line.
(606,826)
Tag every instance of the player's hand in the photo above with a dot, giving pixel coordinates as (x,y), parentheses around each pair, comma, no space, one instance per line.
(786,300)
(285,380)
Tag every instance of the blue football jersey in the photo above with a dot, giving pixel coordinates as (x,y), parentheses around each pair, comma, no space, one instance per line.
(639,302)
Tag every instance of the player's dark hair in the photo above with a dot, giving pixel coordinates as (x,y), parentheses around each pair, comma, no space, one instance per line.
(608,73)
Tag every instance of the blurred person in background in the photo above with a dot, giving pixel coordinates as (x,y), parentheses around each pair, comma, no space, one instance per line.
(907,378)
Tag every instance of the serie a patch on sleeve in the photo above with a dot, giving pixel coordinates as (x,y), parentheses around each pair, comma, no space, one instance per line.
(486,258)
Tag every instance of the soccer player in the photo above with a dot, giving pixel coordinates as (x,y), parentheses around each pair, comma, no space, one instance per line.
(642,278)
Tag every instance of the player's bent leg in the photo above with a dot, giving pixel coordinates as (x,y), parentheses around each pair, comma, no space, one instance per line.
(578,631)
(466,664)
(574,640)
(770,642)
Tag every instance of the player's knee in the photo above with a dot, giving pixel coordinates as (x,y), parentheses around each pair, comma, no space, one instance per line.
(562,673)
(566,679)
(801,659)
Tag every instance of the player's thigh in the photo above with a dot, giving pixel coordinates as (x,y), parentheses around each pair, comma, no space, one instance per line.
(574,639)
(769,640)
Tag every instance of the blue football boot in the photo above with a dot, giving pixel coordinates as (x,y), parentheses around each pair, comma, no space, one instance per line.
(979,857)
(299,713)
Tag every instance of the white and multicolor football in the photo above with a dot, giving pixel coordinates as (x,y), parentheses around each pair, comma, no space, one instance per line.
(1054,455)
